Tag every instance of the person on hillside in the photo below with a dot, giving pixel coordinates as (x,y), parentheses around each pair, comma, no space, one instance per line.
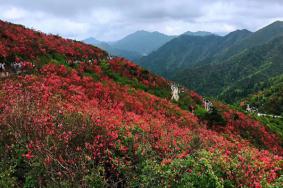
(3,72)
(16,66)
(2,67)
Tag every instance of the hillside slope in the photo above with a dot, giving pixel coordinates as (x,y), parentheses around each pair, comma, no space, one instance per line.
(270,99)
(239,76)
(187,51)
(74,118)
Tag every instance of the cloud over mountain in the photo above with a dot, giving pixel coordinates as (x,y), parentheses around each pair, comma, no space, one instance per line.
(112,19)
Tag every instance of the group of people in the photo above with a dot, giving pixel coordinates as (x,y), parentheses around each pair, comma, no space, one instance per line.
(251,109)
(207,105)
(254,110)
(77,62)
(175,92)
(16,67)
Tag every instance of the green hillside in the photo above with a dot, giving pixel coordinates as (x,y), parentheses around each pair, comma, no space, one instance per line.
(239,76)
(187,51)
(270,100)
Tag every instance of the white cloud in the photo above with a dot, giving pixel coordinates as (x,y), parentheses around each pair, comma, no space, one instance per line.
(12,13)
(113,19)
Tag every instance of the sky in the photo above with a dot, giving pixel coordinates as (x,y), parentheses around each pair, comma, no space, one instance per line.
(110,20)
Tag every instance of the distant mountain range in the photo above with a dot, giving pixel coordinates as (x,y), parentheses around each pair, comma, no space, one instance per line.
(138,44)
(133,46)
(230,67)
(188,50)
(132,55)
(198,33)
(142,42)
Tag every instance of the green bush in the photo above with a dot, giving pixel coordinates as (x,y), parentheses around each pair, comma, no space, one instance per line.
(214,117)
(6,177)
(193,171)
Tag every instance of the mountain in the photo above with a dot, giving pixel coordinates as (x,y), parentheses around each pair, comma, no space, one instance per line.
(181,52)
(113,51)
(134,45)
(137,44)
(242,73)
(269,103)
(258,38)
(93,41)
(233,39)
(143,42)
(238,76)
(198,33)
(186,51)
(71,116)
(229,67)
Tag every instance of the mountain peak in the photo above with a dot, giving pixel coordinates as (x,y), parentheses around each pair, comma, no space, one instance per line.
(143,42)
(144,32)
(275,25)
(140,31)
(278,22)
(239,32)
(92,40)
(198,33)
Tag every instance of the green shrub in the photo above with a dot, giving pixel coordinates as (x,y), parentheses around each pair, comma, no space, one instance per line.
(6,177)
(214,117)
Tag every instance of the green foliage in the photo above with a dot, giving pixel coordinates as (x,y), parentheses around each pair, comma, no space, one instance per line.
(92,75)
(200,112)
(52,58)
(185,101)
(270,99)
(96,178)
(160,92)
(274,124)
(277,184)
(105,67)
(30,182)
(7,179)
(215,118)
(192,171)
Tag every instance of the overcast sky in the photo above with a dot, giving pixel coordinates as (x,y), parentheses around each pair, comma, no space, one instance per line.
(113,19)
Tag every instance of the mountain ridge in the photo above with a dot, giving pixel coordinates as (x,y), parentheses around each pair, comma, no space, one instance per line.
(135,45)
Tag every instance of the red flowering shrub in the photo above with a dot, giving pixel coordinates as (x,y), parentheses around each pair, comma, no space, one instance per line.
(30,44)
(72,120)
(110,123)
